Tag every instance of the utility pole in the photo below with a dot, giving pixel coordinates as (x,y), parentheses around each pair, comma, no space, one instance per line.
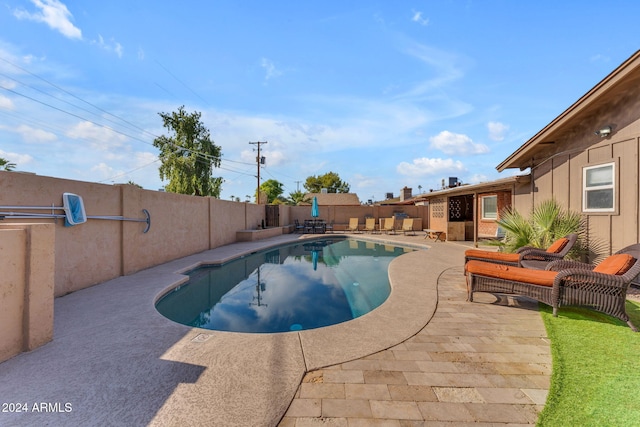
(298,185)
(259,161)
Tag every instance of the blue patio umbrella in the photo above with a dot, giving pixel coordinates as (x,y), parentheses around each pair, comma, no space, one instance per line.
(315,212)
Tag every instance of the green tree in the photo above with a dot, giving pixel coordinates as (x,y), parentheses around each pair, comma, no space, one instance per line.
(331,181)
(188,155)
(272,188)
(6,164)
(297,198)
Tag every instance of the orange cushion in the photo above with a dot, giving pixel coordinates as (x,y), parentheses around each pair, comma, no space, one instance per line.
(498,256)
(557,246)
(615,264)
(517,274)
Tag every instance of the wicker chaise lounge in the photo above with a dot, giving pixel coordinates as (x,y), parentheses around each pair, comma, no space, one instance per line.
(565,283)
(526,256)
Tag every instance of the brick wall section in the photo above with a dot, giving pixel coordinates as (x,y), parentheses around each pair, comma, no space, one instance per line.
(488,228)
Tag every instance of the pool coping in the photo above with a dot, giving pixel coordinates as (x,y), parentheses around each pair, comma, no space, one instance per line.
(184,375)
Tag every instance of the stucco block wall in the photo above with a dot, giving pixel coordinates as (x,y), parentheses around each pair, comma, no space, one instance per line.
(13,245)
(27,281)
(179,227)
(340,215)
(226,219)
(100,250)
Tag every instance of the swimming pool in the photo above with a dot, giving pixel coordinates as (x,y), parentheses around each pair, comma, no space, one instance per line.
(305,285)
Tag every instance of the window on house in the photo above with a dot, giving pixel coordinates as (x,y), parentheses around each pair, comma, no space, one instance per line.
(490,207)
(598,193)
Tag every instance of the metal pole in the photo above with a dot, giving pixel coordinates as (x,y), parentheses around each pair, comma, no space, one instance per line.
(258,161)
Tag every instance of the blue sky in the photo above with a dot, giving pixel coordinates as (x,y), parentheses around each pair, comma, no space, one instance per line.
(386,94)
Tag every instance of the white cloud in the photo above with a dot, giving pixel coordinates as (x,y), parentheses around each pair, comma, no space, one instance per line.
(6,103)
(497,130)
(599,58)
(111,46)
(456,144)
(417,17)
(105,137)
(365,182)
(104,170)
(17,158)
(478,178)
(430,167)
(274,158)
(30,134)
(446,68)
(53,13)
(270,69)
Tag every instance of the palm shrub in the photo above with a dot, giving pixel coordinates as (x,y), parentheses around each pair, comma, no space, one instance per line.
(547,222)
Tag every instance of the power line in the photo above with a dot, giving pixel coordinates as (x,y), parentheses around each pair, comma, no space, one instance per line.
(181,82)
(128,172)
(74,115)
(200,156)
(74,96)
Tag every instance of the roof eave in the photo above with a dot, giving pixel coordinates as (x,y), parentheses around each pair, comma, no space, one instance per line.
(515,160)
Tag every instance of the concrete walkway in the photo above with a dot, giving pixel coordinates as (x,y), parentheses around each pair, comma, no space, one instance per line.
(425,355)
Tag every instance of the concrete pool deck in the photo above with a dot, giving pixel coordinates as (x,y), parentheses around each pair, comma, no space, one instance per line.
(426,355)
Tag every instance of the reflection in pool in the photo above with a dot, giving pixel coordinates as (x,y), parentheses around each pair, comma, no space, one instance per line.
(305,285)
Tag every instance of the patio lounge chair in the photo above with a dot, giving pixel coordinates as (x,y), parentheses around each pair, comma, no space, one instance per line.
(527,256)
(565,283)
(370,225)
(389,225)
(353,225)
(407,226)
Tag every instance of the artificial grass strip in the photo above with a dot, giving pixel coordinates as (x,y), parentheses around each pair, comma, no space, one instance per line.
(596,369)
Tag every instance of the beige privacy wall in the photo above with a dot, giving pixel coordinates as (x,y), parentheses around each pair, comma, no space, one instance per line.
(100,250)
(26,287)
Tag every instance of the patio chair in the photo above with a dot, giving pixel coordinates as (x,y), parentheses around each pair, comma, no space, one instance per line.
(299,227)
(329,227)
(407,226)
(370,225)
(601,288)
(353,225)
(526,256)
(389,225)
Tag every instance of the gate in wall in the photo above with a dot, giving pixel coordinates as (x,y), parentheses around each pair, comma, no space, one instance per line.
(272,215)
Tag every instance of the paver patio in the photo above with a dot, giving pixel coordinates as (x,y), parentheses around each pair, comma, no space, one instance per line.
(483,362)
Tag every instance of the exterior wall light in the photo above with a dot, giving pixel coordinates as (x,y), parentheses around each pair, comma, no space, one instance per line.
(604,132)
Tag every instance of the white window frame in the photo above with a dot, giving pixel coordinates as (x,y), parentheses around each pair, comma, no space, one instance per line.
(495,215)
(611,187)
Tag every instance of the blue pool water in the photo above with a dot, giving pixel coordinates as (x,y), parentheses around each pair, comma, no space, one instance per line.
(300,286)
